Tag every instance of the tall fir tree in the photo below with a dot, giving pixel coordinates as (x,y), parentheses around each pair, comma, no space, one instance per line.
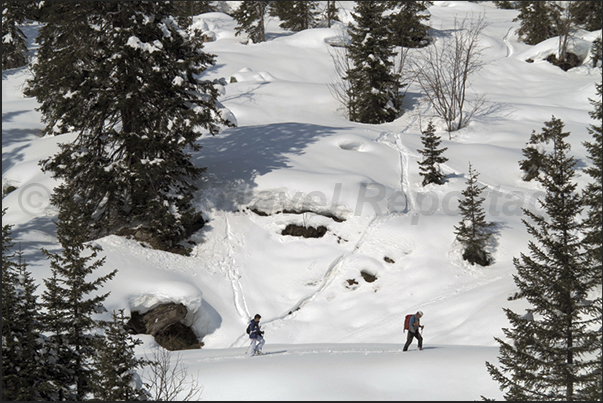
(407,21)
(65,39)
(9,392)
(14,44)
(251,19)
(27,341)
(127,80)
(473,232)
(295,15)
(115,373)
(593,194)
(57,356)
(374,86)
(21,344)
(432,157)
(538,21)
(8,300)
(72,300)
(554,353)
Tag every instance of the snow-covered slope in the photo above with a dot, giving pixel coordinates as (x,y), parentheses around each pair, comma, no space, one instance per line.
(294,151)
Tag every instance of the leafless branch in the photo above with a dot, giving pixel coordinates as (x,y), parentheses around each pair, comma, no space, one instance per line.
(169,379)
(443,71)
(341,89)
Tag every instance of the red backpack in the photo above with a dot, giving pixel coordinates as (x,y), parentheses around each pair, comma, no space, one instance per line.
(407,321)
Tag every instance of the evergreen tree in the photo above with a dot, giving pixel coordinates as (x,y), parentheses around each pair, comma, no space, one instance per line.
(71,302)
(538,21)
(473,231)
(115,370)
(593,193)
(587,14)
(506,4)
(534,154)
(250,18)
(126,79)
(407,22)
(541,20)
(432,157)
(14,45)
(373,84)
(594,222)
(9,392)
(7,255)
(26,343)
(21,345)
(554,353)
(65,41)
(295,15)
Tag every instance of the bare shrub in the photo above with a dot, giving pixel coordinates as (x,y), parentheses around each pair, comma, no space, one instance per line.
(341,89)
(168,379)
(443,71)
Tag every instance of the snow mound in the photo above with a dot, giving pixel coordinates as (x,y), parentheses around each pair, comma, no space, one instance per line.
(216,26)
(248,75)
(314,38)
(579,44)
(284,199)
(352,146)
(159,294)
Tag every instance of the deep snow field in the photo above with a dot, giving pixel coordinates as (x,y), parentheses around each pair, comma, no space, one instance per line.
(337,336)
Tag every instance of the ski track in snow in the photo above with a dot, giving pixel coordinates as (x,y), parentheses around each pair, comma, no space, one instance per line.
(505,40)
(311,351)
(339,262)
(233,274)
(330,274)
(404,167)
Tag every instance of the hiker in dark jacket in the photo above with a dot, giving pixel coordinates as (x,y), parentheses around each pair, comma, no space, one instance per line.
(256,336)
(413,331)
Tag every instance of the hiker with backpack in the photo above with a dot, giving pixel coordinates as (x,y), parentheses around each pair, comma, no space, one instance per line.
(413,324)
(256,336)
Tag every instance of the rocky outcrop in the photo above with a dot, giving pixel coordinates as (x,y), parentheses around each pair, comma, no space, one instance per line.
(306,232)
(166,324)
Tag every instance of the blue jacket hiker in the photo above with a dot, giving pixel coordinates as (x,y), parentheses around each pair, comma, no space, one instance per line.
(256,336)
(413,330)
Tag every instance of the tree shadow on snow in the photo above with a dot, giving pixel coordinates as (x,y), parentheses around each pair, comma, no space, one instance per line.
(270,36)
(15,136)
(44,229)
(237,156)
